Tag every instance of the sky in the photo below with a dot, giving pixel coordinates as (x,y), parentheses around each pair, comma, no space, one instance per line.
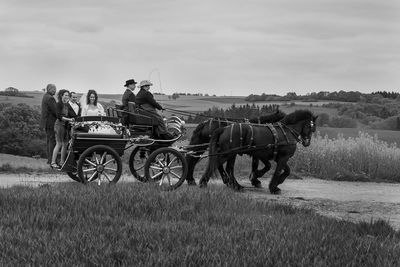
(221,47)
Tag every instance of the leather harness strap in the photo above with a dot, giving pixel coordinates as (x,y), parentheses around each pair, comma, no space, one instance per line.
(283,131)
(275,135)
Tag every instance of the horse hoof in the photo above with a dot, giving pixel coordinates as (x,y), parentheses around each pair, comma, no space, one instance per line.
(256,184)
(191,182)
(202,185)
(275,191)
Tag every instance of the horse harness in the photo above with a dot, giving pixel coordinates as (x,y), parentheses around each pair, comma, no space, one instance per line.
(273,129)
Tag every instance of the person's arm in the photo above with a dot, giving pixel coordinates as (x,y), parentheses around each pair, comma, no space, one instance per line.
(150,99)
(59,109)
(101,110)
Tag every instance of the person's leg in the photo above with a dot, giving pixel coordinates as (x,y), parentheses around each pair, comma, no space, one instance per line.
(64,144)
(57,146)
(52,142)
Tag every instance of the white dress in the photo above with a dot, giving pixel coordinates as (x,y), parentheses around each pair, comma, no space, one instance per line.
(91,110)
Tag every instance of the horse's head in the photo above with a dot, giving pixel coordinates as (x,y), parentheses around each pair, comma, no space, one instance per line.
(302,123)
(307,130)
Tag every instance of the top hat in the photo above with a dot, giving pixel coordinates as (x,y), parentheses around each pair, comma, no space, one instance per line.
(128,82)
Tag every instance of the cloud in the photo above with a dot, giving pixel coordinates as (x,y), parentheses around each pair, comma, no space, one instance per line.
(229,46)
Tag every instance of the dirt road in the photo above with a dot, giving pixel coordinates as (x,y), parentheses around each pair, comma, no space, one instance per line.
(354,201)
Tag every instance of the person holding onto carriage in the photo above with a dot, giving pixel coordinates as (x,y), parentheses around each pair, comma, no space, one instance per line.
(127,97)
(48,118)
(61,128)
(145,100)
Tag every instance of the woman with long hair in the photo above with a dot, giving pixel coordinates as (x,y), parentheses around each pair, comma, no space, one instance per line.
(92,107)
(61,128)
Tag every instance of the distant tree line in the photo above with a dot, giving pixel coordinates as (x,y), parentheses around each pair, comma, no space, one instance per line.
(11,91)
(234,112)
(385,94)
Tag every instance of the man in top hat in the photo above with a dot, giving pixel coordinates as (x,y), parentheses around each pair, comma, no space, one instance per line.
(127,97)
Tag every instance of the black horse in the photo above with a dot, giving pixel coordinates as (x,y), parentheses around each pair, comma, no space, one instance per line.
(277,142)
(200,139)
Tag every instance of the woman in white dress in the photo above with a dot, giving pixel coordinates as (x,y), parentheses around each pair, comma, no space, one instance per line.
(90,107)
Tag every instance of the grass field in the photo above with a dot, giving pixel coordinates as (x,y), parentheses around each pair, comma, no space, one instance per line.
(137,225)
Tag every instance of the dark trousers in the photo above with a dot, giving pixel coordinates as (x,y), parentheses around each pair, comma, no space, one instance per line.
(51,143)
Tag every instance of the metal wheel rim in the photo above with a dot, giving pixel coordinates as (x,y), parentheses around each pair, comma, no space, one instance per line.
(166,170)
(102,167)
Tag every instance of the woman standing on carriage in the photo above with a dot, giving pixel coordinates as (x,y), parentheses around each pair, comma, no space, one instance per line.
(61,127)
(145,100)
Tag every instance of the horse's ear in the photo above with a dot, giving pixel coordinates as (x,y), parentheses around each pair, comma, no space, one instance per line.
(315,118)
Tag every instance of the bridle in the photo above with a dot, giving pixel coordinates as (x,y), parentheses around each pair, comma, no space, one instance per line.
(299,138)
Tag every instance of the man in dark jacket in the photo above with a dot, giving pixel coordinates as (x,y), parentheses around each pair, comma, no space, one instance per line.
(74,108)
(49,118)
(145,100)
(127,97)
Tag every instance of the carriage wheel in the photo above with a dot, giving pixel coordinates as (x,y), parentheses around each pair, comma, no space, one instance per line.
(166,167)
(101,163)
(137,160)
(74,176)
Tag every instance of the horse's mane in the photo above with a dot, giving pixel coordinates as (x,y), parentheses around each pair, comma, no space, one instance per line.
(297,116)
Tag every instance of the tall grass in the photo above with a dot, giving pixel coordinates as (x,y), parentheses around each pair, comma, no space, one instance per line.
(135,225)
(363,157)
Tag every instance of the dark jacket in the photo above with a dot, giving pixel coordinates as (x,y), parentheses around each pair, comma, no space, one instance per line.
(62,110)
(128,96)
(71,111)
(48,112)
(145,97)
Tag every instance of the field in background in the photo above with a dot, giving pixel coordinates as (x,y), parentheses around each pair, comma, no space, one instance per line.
(185,103)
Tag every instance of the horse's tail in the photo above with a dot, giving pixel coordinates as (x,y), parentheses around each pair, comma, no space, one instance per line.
(213,161)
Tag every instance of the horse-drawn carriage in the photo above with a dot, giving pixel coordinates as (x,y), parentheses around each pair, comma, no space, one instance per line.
(98,142)
(95,153)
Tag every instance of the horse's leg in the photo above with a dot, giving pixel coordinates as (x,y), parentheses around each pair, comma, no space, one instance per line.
(223,174)
(275,181)
(207,174)
(285,174)
(192,161)
(258,173)
(230,169)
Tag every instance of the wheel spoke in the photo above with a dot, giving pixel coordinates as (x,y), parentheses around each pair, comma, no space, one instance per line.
(95,156)
(103,157)
(91,163)
(92,176)
(162,180)
(108,162)
(172,161)
(153,167)
(99,178)
(155,176)
(89,170)
(169,179)
(176,175)
(110,169)
(161,163)
(176,167)
(108,177)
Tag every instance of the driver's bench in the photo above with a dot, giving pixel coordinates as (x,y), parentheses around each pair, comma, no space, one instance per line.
(135,119)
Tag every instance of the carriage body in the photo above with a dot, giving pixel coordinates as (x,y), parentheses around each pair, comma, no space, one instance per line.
(98,142)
